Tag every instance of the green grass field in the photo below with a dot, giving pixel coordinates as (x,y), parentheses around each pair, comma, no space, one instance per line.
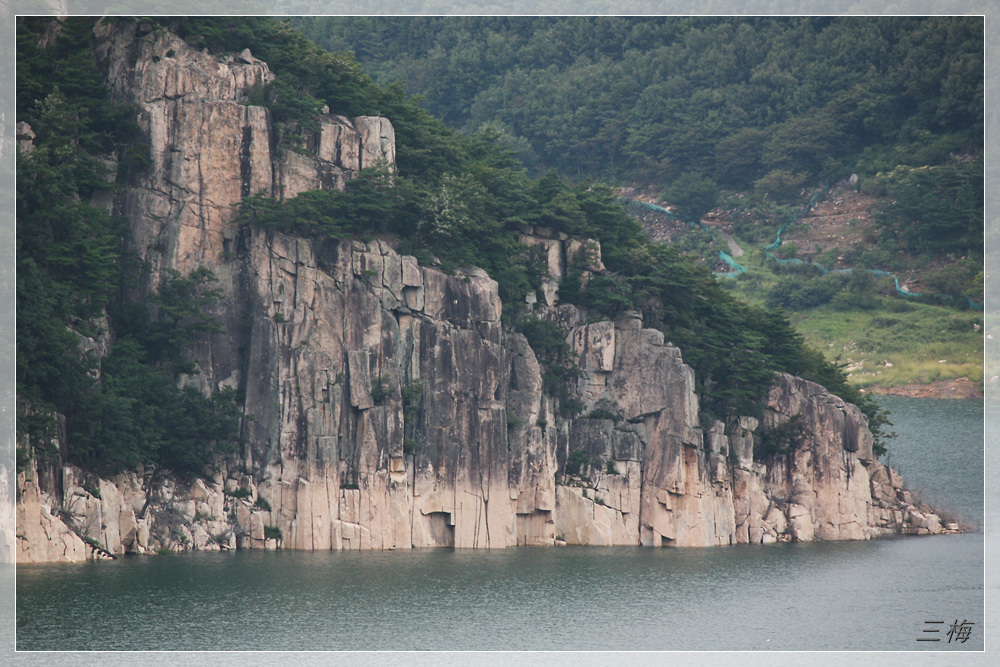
(891,342)
(880,347)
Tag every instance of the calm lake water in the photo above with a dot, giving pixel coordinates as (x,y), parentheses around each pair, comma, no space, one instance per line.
(835,596)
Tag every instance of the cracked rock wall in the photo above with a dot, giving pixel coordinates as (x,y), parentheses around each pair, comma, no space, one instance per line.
(386,406)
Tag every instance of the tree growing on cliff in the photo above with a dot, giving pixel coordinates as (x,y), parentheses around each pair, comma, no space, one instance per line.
(74,268)
(780,439)
(559,369)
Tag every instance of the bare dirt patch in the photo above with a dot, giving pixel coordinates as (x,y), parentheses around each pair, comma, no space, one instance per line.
(841,220)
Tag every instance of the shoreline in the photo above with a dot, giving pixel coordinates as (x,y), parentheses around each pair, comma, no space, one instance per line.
(958,388)
(949,527)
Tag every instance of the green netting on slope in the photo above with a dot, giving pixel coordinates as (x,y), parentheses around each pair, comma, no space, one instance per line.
(737,268)
(804,211)
(876,272)
(724,256)
(879,273)
(667,212)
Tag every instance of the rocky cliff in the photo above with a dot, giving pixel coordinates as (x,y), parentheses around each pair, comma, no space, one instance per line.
(387,406)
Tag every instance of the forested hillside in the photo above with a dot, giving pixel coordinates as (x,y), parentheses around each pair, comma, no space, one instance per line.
(771,103)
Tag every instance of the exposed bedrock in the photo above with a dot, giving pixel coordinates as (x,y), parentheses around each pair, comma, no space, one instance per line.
(387,406)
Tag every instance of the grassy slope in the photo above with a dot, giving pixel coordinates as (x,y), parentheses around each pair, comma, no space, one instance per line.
(889,349)
(896,343)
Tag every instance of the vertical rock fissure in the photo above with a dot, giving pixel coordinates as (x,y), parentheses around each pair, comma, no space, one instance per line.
(296,277)
(246,167)
(484,489)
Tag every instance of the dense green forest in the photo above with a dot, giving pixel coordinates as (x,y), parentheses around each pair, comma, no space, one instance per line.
(698,107)
(459,197)
(737,101)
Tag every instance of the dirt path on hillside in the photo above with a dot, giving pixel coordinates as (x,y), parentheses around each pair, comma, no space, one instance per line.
(734,248)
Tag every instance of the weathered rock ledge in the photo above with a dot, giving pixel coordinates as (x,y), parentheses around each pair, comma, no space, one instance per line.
(388,408)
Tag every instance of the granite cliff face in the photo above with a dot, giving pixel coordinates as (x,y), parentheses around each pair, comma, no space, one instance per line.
(387,407)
